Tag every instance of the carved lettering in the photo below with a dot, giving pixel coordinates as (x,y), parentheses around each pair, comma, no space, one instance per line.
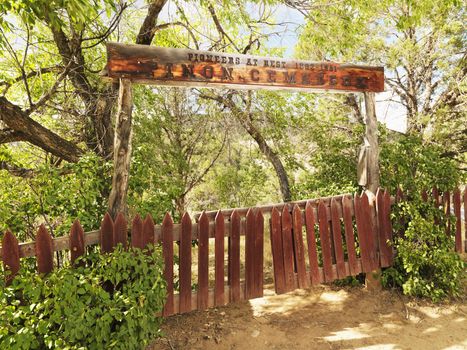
(271,76)
(187,71)
(346,80)
(362,82)
(168,70)
(227,73)
(289,77)
(208,72)
(254,74)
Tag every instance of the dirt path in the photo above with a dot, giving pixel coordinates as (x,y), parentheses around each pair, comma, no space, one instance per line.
(322,318)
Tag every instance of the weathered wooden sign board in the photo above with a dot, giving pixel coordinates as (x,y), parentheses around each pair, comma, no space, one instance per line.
(182,67)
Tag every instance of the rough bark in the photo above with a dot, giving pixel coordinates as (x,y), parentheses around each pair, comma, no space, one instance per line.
(373,279)
(245,120)
(33,132)
(147,30)
(270,155)
(122,151)
(371,135)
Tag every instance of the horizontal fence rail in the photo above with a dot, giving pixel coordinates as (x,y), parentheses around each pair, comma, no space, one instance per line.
(311,241)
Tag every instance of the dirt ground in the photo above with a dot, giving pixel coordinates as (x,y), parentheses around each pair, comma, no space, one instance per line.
(325,317)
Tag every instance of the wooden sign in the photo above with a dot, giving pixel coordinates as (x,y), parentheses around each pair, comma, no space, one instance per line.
(182,67)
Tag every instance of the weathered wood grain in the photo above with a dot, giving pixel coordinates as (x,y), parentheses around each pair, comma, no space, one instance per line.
(137,232)
(299,250)
(183,67)
(250,254)
(10,255)
(259,253)
(185,264)
(287,248)
(168,253)
(120,230)
(76,241)
(107,234)
(311,244)
(277,252)
(219,259)
(203,262)
(337,238)
(44,250)
(347,204)
(234,258)
(325,238)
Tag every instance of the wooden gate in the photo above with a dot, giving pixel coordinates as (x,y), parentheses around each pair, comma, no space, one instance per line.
(330,239)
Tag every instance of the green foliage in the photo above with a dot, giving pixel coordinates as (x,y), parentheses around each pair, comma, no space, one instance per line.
(334,142)
(54,196)
(426,264)
(412,164)
(108,303)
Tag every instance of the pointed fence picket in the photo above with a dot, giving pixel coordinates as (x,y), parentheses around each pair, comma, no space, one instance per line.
(312,242)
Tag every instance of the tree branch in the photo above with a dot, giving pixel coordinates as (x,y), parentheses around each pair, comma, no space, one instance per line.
(146,32)
(33,132)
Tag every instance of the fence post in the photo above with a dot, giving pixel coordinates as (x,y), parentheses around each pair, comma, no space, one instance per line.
(373,279)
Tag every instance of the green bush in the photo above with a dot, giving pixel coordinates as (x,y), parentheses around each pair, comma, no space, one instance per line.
(426,264)
(109,302)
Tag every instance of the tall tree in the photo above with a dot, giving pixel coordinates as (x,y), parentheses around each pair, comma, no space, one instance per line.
(420,43)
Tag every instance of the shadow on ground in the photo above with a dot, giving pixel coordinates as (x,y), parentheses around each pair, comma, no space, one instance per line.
(321,318)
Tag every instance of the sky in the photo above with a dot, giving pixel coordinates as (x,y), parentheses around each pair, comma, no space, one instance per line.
(391,113)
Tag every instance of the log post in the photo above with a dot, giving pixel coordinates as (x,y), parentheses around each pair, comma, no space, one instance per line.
(373,279)
(122,151)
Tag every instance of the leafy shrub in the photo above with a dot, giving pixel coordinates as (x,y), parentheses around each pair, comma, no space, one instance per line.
(426,264)
(109,302)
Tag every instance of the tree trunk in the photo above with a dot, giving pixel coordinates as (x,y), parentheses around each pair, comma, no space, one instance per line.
(31,131)
(122,151)
(271,156)
(371,135)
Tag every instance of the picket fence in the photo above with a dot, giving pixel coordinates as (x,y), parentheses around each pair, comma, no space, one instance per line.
(312,241)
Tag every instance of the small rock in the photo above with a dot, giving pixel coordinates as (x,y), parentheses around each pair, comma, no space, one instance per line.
(255,333)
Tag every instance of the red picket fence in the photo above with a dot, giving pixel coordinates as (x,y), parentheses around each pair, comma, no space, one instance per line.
(311,242)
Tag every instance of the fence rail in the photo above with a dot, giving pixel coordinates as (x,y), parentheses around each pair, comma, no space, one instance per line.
(311,241)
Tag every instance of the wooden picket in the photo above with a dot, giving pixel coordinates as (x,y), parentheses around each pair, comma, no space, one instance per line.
(337,239)
(77,247)
(219,289)
(277,252)
(10,255)
(203,261)
(250,254)
(148,236)
(311,244)
(331,254)
(168,254)
(234,257)
(325,239)
(299,251)
(259,254)
(383,208)
(446,198)
(120,230)
(287,248)
(185,264)
(349,236)
(137,232)
(456,199)
(44,251)
(107,234)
